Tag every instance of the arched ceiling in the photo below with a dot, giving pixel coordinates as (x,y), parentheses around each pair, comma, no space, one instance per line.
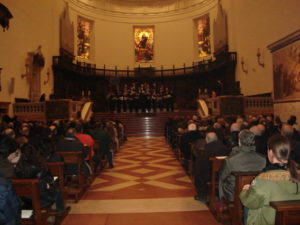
(142,6)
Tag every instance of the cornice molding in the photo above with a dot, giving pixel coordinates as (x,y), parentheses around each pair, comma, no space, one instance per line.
(295,36)
(136,12)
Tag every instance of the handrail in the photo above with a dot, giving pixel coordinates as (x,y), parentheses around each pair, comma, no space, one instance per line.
(68,63)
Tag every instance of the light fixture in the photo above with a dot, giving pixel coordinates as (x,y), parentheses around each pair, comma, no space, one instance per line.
(243,63)
(48,76)
(258,58)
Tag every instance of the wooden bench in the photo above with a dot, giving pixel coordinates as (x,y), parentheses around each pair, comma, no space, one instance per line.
(287,212)
(30,188)
(57,170)
(236,207)
(74,184)
(214,206)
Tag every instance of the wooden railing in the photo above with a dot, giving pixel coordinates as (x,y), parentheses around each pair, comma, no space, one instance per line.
(26,111)
(258,105)
(67,62)
(49,110)
(246,105)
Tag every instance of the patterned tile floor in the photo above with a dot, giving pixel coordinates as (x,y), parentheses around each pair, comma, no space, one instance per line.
(147,186)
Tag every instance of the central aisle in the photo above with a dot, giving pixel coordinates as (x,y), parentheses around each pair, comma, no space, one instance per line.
(146,187)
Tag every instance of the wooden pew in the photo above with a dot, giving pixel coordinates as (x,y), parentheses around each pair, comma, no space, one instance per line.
(214,206)
(74,187)
(57,170)
(287,212)
(236,207)
(26,188)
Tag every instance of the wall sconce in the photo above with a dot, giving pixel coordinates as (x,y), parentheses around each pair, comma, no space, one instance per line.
(0,79)
(48,76)
(258,58)
(243,63)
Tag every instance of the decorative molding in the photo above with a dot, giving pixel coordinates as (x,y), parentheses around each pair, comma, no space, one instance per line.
(134,10)
(295,36)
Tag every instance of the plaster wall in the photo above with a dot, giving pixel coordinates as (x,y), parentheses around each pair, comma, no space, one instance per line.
(253,25)
(32,25)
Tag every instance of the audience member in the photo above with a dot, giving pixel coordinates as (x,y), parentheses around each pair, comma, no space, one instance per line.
(288,131)
(9,153)
(242,158)
(213,147)
(279,181)
(232,139)
(260,138)
(71,144)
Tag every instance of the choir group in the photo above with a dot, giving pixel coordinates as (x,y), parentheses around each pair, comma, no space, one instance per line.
(141,98)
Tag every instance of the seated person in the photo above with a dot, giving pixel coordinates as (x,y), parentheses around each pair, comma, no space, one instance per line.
(105,143)
(71,144)
(232,139)
(242,158)
(9,154)
(213,147)
(191,136)
(33,165)
(279,181)
(10,213)
(87,141)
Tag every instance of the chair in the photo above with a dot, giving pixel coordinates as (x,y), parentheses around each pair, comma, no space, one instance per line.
(76,183)
(287,212)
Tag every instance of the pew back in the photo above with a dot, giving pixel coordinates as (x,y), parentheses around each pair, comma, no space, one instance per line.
(30,188)
(287,212)
(241,178)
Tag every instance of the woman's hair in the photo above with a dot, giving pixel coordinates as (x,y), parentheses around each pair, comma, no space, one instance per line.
(281,148)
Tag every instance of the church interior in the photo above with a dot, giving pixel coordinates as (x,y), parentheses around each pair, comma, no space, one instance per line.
(162,112)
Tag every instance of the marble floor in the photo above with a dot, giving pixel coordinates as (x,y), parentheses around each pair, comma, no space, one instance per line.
(147,186)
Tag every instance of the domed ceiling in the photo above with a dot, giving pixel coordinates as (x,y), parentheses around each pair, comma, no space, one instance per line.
(142,6)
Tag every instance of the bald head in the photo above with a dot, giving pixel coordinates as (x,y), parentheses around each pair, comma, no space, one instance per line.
(255,130)
(235,127)
(262,128)
(287,130)
(210,137)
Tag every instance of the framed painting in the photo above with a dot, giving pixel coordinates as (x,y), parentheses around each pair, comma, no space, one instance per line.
(203,39)
(286,68)
(143,44)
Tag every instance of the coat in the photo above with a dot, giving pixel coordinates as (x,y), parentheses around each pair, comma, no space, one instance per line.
(273,185)
(241,159)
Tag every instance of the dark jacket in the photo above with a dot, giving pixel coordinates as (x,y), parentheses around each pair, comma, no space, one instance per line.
(203,164)
(241,159)
(71,144)
(6,168)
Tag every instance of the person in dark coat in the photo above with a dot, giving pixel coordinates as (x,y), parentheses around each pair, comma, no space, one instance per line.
(213,147)
(231,140)
(288,131)
(260,139)
(71,144)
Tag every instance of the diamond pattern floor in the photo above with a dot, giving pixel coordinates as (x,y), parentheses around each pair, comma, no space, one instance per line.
(147,180)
